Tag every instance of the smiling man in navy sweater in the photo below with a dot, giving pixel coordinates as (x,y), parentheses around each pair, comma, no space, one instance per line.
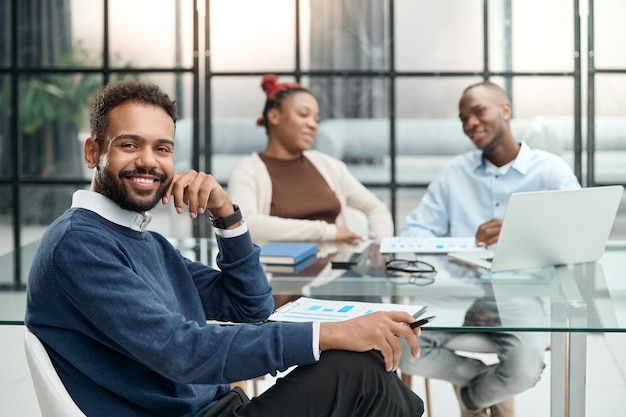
(123,314)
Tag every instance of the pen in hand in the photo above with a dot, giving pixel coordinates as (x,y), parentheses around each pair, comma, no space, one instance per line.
(421,322)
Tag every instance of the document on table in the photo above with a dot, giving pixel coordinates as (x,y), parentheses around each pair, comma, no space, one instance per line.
(428,244)
(312,309)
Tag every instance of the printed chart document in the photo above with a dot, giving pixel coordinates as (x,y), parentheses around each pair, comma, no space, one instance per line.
(312,309)
(428,244)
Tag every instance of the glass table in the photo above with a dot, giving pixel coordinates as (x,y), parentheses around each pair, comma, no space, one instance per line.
(565,301)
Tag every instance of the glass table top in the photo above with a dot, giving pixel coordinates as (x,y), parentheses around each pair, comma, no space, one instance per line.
(588,297)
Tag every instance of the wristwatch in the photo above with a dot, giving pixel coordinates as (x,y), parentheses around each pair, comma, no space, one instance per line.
(226,222)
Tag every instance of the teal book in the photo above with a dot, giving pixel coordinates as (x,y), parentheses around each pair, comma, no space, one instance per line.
(286,253)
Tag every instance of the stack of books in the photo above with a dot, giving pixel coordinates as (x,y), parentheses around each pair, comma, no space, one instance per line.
(288,257)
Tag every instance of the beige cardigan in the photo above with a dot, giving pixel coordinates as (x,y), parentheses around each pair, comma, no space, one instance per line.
(250,187)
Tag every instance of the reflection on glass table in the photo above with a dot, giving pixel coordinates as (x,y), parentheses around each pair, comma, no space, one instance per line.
(567,301)
(598,289)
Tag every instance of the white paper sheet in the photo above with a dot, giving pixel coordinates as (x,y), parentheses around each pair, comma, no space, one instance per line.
(307,309)
(428,245)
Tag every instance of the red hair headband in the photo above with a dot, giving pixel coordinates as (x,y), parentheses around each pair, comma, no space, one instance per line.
(271,86)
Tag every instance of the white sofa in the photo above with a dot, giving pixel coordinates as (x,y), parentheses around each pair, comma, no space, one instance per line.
(231,139)
(610,144)
(423,146)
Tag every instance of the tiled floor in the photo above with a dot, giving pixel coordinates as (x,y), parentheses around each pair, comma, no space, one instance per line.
(606,381)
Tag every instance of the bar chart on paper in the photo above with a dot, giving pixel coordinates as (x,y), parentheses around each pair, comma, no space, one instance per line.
(395,244)
(311,309)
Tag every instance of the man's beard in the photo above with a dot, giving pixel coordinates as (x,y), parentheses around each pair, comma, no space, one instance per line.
(115,188)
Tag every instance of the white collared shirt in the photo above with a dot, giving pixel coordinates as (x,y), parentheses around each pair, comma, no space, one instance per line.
(107,208)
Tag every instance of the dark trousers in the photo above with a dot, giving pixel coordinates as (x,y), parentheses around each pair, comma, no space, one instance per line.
(341,384)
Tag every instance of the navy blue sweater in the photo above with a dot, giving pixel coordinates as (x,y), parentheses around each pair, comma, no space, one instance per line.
(123,317)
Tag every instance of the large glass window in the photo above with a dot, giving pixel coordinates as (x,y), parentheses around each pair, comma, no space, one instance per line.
(607,66)
(428,132)
(349,36)
(430,97)
(6,29)
(6,220)
(252,35)
(64,52)
(160,38)
(40,206)
(52,112)
(609,34)
(610,128)
(542,35)
(44,35)
(6,128)
(87,28)
(387,74)
(444,35)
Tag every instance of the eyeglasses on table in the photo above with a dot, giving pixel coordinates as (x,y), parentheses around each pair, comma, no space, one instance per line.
(405,271)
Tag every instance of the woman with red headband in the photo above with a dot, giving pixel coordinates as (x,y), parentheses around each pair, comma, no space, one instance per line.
(291,192)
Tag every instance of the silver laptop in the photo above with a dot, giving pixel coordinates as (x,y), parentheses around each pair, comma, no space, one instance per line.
(545,228)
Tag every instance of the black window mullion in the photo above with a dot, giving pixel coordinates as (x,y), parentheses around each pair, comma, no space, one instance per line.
(15,148)
(590,177)
(393,186)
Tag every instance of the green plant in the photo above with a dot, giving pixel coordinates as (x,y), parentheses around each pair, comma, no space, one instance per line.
(55,97)
(53,107)
(61,97)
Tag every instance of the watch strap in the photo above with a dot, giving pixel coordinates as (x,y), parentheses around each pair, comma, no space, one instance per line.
(227,221)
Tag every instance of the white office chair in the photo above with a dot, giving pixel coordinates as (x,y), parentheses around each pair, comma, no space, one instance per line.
(53,398)
(466,342)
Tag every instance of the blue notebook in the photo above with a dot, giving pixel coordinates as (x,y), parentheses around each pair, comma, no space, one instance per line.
(290,269)
(286,253)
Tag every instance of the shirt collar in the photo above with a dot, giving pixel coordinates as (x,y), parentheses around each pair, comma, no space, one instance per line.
(521,163)
(105,207)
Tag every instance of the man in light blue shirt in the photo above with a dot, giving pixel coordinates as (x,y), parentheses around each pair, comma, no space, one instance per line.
(471,190)
(469,198)
(471,194)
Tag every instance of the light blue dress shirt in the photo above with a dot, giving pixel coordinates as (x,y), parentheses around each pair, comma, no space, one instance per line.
(470,192)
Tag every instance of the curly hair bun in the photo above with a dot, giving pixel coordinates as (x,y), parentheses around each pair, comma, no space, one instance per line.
(269,83)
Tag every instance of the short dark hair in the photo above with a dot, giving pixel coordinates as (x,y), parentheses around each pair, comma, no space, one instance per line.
(491,86)
(114,94)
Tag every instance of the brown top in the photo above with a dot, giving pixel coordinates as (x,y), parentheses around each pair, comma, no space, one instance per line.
(299,191)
